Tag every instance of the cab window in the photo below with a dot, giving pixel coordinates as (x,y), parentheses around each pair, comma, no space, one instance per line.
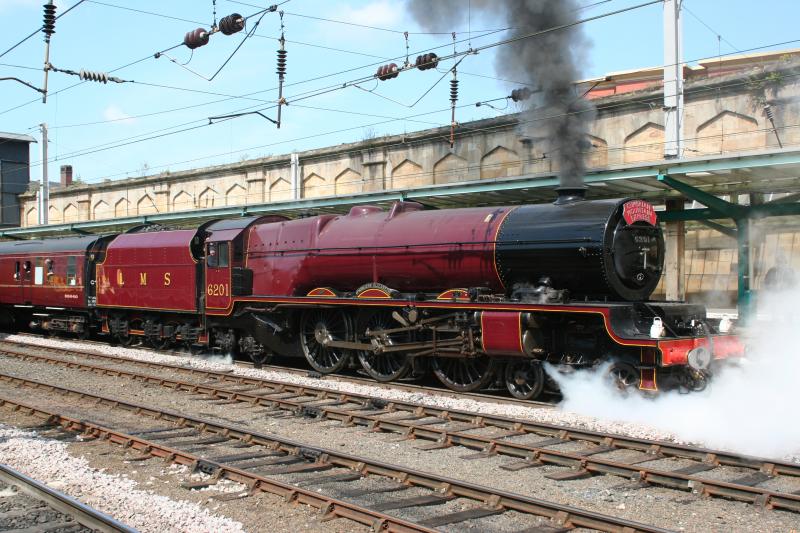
(211,255)
(217,256)
(222,254)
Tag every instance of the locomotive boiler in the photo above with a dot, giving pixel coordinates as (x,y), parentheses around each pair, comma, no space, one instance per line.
(599,250)
(478,296)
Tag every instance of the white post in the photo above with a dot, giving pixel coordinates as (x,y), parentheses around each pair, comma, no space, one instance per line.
(673,79)
(44,186)
(295,176)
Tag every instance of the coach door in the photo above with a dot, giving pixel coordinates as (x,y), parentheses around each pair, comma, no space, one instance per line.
(23,273)
(218,275)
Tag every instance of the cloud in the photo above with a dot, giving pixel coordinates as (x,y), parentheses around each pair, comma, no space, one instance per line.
(115,113)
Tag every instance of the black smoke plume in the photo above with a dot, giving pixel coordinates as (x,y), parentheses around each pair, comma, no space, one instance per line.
(548,63)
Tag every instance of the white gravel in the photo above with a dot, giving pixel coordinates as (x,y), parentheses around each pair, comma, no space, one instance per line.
(432,398)
(49,461)
(557,416)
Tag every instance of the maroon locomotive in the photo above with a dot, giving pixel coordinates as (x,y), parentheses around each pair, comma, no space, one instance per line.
(473,294)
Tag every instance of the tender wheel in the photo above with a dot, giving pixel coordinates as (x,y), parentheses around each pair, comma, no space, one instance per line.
(194,348)
(384,366)
(125,339)
(225,340)
(623,376)
(254,350)
(464,374)
(319,326)
(525,379)
(161,343)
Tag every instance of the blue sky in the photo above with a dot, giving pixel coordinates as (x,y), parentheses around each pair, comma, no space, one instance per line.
(99,37)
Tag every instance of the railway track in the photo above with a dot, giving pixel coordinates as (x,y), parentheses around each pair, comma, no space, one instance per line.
(532,444)
(31,506)
(493,395)
(347,479)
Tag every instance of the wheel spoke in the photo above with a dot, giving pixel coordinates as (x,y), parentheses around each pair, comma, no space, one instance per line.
(525,379)
(320,324)
(464,375)
(386,366)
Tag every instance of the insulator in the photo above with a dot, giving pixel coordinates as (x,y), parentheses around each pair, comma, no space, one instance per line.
(520,94)
(387,72)
(768,112)
(231,24)
(88,75)
(196,38)
(453,90)
(427,61)
(49,27)
(281,63)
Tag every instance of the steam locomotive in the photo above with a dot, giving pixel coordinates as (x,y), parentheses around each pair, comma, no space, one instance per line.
(476,295)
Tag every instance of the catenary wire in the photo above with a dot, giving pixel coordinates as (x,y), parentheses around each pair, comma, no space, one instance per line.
(76,4)
(463,131)
(451,56)
(507,41)
(537,33)
(712,30)
(180,125)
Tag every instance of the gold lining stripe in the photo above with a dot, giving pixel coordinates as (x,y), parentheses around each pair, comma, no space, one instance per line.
(494,246)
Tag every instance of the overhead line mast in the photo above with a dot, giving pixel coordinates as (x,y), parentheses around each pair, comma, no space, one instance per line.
(49,28)
(673,79)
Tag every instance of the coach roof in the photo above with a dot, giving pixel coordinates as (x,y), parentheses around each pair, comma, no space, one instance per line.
(65,244)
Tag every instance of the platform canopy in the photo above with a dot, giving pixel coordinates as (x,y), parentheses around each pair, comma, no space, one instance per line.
(715,176)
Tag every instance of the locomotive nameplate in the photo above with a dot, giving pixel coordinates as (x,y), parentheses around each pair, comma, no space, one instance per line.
(639,211)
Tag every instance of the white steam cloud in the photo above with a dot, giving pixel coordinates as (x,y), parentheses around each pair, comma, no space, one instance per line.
(747,408)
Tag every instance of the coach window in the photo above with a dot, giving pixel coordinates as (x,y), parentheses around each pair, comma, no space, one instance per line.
(16,270)
(38,272)
(50,264)
(72,278)
(27,267)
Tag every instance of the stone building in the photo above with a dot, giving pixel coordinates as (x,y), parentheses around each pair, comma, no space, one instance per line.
(726,103)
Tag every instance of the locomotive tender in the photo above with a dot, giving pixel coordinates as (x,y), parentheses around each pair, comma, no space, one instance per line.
(473,294)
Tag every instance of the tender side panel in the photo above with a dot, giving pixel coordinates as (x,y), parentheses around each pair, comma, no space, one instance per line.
(149,271)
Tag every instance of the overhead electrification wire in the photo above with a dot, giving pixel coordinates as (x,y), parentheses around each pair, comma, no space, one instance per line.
(20,66)
(245,97)
(405,142)
(194,125)
(717,34)
(317,92)
(471,51)
(76,4)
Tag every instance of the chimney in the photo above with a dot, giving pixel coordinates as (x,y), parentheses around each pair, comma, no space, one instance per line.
(570,194)
(66,175)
